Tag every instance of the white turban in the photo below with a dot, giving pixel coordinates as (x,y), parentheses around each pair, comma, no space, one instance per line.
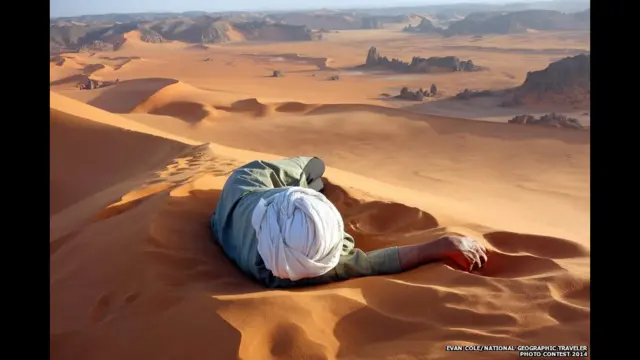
(299,233)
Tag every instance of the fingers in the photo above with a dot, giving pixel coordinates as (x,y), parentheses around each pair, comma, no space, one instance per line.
(475,260)
(478,256)
(471,254)
(483,258)
(482,253)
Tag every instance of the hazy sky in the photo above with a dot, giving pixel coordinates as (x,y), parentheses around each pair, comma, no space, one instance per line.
(86,7)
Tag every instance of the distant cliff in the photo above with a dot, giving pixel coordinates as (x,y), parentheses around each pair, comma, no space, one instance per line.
(425,27)
(518,22)
(566,81)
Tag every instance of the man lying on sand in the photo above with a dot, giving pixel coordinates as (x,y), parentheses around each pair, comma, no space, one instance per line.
(274,222)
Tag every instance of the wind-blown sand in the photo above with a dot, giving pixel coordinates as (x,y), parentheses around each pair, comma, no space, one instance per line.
(136,170)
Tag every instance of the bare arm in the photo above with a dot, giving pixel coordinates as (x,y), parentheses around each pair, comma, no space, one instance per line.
(466,253)
(412,256)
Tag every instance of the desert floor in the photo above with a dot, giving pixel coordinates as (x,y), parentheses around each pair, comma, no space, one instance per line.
(136,169)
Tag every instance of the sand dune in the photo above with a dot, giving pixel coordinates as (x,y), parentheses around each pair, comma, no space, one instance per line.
(171,97)
(137,168)
(74,70)
(514,158)
(165,96)
(133,41)
(129,221)
(101,144)
(63,67)
(120,61)
(64,62)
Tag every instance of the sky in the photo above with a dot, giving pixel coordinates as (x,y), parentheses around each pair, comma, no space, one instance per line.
(59,8)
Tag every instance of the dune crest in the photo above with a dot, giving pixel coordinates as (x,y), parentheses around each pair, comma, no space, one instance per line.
(131,225)
(171,97)
(67,70)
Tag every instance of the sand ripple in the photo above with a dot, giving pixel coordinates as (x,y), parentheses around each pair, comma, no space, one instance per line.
(135,273)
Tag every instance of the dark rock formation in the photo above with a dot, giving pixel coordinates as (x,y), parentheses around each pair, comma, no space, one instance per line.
(203,30)
(425,27)
(565,81)
(467,94)
(102,45)
(57,60)
(552,120)
(518,22)
(378,21)
(512,101)
(152,37)
(372,57)
(419,64)
(108,36)
(560,76)
(276,73)
(265,31)
(91,84)
(418,95)
(372,22)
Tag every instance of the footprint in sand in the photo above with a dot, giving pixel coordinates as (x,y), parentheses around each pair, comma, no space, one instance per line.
(289,337)
(131,297)
(131,200)
(101,309)
(106,304)
(57,244)
(197,162)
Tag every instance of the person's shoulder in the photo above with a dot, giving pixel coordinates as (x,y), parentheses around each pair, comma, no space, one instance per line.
(255,164)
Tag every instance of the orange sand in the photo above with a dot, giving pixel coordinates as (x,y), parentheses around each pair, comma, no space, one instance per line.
(136,169)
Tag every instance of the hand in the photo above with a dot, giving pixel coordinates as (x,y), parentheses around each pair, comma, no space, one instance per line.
(465,252)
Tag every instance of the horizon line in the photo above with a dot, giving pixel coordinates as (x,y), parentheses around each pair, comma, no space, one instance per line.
(398,6)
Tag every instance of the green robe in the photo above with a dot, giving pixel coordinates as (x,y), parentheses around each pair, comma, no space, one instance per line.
(232,229)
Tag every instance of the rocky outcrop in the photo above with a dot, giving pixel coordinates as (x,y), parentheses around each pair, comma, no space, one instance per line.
(98,37)
(378,21)
(372,22)
(562,75)
(57,60)
(434,89)
(201,30)
(265,31)
(565,81)
(517,22)
(551,120)
(419,64)
(373,58)
(330,21)
(418,95)
(425,27)
(151,37)
(467,94)
(102,45)
(91,84)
